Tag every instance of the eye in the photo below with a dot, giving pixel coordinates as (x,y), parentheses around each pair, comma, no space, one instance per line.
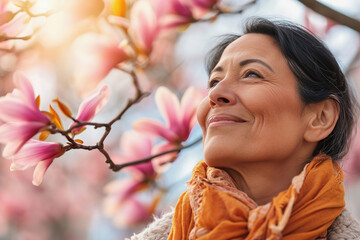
(213,83)
(252,74)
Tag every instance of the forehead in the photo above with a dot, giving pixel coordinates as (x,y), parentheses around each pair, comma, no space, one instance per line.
(254,45)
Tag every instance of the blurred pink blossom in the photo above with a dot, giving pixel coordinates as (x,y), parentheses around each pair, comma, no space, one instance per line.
(135,146)
(122,205)
(200,8)
(95,55)
(351,162)
(161,163)
(179,12)
(69,198)
(20,115)
(180,117)
(144,26)
(91,106)
(11,25)
(317,24)
(37,153)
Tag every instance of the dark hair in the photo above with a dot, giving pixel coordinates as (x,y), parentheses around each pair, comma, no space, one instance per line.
(317,73)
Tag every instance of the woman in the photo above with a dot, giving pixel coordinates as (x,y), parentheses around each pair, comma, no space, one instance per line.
(277,119)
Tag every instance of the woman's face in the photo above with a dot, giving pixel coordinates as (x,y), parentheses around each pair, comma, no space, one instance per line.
(253,111)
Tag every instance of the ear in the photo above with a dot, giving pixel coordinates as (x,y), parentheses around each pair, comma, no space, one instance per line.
(322,119)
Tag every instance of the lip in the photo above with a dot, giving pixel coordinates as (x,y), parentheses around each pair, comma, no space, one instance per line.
(223,119)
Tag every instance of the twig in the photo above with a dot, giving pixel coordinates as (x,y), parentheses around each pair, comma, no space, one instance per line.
(144,160)
(72,144)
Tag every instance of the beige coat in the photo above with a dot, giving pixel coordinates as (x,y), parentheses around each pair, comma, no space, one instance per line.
(345,227)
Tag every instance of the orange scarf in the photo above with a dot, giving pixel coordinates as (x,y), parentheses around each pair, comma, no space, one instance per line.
(213,208)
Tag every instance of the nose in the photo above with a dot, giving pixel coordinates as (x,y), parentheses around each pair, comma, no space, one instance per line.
(222,95)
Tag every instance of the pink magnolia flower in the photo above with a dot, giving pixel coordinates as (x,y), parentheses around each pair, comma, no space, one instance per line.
(10,25)
(180,117)
(176,13)
(317,24)
(162,163)
(351,162)
(135,146)
(179,12)
(20,115)
(144,27)
(122,204)
(37,153)
(95,55)
(92,106)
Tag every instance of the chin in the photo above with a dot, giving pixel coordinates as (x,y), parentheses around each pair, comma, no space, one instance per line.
(218,157)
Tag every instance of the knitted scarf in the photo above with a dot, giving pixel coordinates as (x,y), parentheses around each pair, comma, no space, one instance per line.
(213,208)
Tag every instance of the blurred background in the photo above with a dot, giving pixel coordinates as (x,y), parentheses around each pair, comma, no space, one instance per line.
(80,197)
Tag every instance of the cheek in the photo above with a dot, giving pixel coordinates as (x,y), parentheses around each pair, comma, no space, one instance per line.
(202,113)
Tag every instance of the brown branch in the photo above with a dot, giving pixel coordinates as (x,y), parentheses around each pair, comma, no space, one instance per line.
(72,144)
(332,14)
(118,167)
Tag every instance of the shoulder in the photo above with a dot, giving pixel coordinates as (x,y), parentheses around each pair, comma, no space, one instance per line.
(344,227)
(159,229)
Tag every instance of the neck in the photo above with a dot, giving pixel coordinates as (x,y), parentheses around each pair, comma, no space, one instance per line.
(262,181)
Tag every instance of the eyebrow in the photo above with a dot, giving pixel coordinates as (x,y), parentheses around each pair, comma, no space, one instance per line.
(243,63)
(252,60)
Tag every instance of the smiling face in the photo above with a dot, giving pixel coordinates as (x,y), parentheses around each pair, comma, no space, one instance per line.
(253,112)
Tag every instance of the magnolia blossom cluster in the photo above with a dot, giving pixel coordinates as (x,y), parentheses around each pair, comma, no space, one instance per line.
(126,195)
(21,120)
(141,24)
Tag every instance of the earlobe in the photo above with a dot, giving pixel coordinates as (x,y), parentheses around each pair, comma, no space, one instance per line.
(322,119)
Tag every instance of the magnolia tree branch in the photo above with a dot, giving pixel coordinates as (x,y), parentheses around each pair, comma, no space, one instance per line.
(144,160)
(72,144)
(332,14)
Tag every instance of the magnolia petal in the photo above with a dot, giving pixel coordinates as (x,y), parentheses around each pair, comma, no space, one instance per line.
(35,151)
(189,103)
(26,88)
(15,135)
(144,26)
(14,110)
(132,212)
(40,171)
(135,145)
(13,28)
(154,129)
(96,55)
(162,163)
(93,104)
(168,105)
(173,20)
